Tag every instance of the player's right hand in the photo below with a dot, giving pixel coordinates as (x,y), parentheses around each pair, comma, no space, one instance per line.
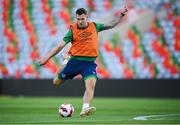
(42,61)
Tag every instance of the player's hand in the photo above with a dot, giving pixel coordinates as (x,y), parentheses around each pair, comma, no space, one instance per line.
(42,61)
(125,10)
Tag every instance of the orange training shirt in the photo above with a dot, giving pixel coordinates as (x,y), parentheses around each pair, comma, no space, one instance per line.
(85,41)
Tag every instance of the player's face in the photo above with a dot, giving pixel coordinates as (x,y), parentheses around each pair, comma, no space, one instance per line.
(81,20)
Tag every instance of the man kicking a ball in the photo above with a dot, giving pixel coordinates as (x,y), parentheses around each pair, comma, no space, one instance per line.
(83,36)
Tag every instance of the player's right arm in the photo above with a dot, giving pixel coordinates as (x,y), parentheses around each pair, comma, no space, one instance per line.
(52,53)
(68,38)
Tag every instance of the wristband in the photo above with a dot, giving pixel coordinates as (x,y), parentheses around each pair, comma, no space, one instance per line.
(122,14)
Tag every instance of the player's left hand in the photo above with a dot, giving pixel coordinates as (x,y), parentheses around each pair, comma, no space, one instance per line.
(125,10)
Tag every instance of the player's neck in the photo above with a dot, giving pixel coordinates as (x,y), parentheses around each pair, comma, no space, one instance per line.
(85,26)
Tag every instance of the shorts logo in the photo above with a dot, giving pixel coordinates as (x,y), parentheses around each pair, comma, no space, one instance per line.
(63,75)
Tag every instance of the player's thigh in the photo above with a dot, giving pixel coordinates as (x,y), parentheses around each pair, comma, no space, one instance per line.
(71,70)
(89,71)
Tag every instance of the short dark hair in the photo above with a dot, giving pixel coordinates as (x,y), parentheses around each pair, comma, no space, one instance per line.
(81,11)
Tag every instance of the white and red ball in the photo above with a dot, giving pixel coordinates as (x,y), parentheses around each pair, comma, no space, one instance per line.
(66,110)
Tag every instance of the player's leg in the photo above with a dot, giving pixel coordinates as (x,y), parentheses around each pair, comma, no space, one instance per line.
(57,81)
(90,84)
(90,78)
(68,71)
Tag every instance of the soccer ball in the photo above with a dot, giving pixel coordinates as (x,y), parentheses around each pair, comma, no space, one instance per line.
(66,110)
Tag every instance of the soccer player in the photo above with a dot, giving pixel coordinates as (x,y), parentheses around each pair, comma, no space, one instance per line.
(83,36)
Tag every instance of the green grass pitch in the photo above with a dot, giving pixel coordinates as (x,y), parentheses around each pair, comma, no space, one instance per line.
(44,110)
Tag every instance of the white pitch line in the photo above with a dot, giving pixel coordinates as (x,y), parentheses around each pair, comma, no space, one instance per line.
(153,116)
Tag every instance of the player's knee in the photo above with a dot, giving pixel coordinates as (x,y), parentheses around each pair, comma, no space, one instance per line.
(91,84)
(57,82)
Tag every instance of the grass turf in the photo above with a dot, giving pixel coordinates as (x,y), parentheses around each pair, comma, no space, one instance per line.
(44,110)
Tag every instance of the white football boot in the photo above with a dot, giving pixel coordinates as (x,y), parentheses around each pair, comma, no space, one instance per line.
(87,111)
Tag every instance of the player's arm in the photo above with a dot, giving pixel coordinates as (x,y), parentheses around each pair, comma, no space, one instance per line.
(52,53)
(116,20)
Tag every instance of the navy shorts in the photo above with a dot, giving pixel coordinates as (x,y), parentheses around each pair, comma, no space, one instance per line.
(75,67)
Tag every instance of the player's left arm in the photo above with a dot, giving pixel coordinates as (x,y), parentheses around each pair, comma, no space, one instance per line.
(116,20)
